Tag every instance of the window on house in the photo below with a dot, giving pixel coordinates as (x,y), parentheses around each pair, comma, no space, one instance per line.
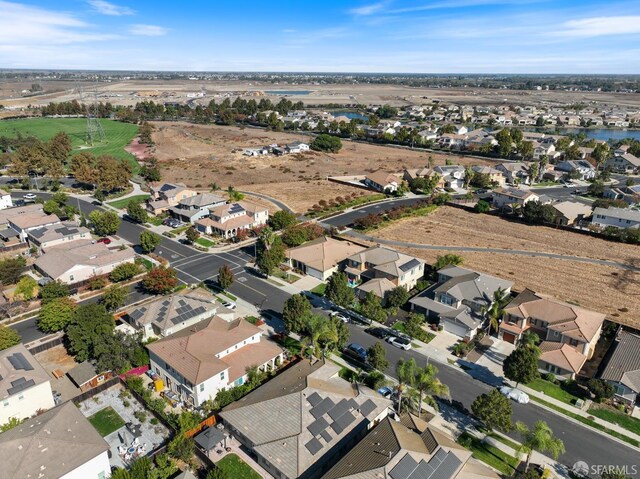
(70,277)
(101,475)
(202,387)
(21,397)
(555,333)
(5,403)
(222,375)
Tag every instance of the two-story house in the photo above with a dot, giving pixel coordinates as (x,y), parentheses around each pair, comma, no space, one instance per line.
(458,299)
(569,333)
(383,181)
(379,270)
(24,385)
(166,195)
(226,220)
(199,361)
(193,208)
(621,367)
(322,257)
(426,173)
(623,163)
(616,217)
(515,172)
(453,175)
(47,236)
(512,196)
(27,218)
(581,168)
(495,176)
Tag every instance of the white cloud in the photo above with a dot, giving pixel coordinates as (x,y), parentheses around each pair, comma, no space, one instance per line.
(108,8)
(368,9)
(601,26)
(148,30)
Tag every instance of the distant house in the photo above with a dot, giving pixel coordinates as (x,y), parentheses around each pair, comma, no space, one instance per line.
(25,388)
(81,260)
(166,195)
(623,163)
(198,362)
(85,376)
(515,172)
(321,257)
(621,367)
(452,175)
(262,151)
(512,196)
(27,218)
(47,236)
(297,147)
(569,333)
(495,176)
(59,443)
(616,217)
(193,208)
(571,212)
(383,181)
(411,175)
(452,140)
(6,201)
(583,168)
(226,220)
(628,194)
(457,299)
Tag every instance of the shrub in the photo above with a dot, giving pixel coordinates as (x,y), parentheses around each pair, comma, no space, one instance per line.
(140,416)
(97,283)
(550,377)
(124,272)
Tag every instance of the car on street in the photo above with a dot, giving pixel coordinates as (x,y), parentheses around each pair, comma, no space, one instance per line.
(30,196)
(381,333)
(386,392)
(96,203)
(568,184)
(340,316)
(229,305)
(402,343)
(356,351)
(515,394)
(396,334)
(104,240)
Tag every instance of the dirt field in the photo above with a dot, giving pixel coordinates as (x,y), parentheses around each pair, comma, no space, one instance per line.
(602,288)
(200,155)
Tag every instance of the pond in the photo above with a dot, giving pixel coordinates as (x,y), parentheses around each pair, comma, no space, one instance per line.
(605,134)
(287,92)
(351,115)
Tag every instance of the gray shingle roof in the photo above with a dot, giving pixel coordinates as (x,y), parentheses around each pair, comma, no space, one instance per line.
(624,363)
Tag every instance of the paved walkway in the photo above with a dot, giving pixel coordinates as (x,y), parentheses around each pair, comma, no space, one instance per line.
(278,203)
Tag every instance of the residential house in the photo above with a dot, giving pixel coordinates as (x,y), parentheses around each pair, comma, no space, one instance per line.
(478,139)
(47,236)
(512,196)
(226,220)
(60,443)
(569,333)
(410,448)
(571,213)
(515,172)
(458,299)
(624,163)
(616,217)
(297,147)
(166,315)
(5,201)
(575,168)
(383,181)
(452,140)
(453,175)
(411,175)
(261,151)
(25,219)
(322,257)
(166,195)
(81,260)
(300,423)
(543,149)
(198,362)
(380,269)
(193,208)
(24,385)
(85,376)
(495,176)
(628,194)
(621,367)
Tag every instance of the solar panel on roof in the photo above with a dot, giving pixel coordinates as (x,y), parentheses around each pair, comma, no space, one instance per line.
(447,468)
(20,384)
(325,405)
(326,435)
(423,471)
(337,427)
(339,409)
(314,399)
(353,404)
(317,426)
(409,265)
(345,420)
(404,468)
(19,362)
(313,446)
(367,407)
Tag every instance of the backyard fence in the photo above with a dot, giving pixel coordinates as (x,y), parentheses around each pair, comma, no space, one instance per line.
(98,389)
(44,346)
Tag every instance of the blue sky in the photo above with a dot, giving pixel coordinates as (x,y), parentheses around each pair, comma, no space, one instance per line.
(412,36)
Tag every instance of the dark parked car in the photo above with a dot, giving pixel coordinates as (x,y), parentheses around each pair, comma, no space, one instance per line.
(356,351)
(381,333)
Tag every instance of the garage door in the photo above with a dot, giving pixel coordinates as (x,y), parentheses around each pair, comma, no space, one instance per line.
(509,338)
(454,328)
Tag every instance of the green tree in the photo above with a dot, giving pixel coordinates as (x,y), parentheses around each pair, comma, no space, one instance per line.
(270,252)
(526,150)
(60,198)
(540,439)
(50,207)
(11,423)
(505,142)
(482,206)
(282,219)
(406,373)
(54,289)
(136,212)
(8,337)
(233,194)
(495,310)
(494,410)
(600,389)
(371,307)
(217,473)
(427,384)
(27,288)
(530,341)
(90,325)
(104,223)
(413,324)
(319,334)
(338,290)
(11,269)
(600,153)
(114,297)
(446,260)
(225,276)
(377,356)
(521,366)
(192,234)
(326,143)
(149,241)
(181,448)
(295,313)
(123,272)
(160,280)
(56,314)
(397,296)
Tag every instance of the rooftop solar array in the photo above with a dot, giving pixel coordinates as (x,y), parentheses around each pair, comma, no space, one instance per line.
(20,384)
(442,465)
(409,265)
(322,408)
(367,407)
(235,208)
(314,399)
(137,314)
(19,362)
(313,446)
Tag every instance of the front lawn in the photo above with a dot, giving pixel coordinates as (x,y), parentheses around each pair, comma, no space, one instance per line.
(616,417)
(106,421)
(561,392)
(422,335)
(205,242)
(235,467)
(156,220)
(320,289)
(124,202)
(286,276)
(490,455)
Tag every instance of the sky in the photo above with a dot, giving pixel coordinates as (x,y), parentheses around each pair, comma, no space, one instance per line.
(394,36)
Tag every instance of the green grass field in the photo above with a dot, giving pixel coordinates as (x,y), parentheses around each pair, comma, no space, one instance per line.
(556,391)
(118,135)
(616,417)
(106,421)
(124,202)
(489,454)
(237,468)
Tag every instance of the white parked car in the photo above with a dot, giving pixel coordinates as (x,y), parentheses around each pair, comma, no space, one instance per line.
(229,305)
(339,315)
(402,343)
(516,394)
(29,196)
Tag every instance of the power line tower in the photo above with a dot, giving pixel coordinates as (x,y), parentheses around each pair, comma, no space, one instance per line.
(94,133)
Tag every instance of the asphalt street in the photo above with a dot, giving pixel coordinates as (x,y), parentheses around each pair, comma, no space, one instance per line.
(346,219)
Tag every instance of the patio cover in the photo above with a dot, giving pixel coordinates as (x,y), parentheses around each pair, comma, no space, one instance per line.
(210,438)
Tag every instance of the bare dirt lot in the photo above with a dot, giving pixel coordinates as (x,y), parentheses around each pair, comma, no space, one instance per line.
(602,288)
(203,154)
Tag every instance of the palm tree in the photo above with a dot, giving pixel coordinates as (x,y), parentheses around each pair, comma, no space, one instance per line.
(267,237)
(319,331)
(540,439)
(406,372)
(530,341)
(494,312)
(427,383)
